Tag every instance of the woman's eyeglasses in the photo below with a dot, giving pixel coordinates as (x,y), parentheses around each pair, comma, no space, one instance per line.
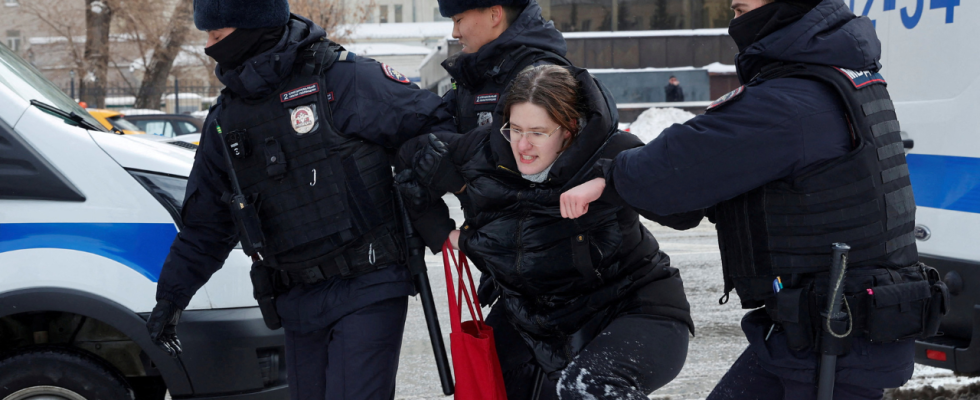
(534,138)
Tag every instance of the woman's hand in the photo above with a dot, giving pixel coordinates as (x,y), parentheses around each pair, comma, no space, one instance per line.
(454,238)
(575,202)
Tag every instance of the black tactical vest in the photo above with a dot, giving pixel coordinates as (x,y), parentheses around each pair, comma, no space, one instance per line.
(864,198)
(321,197)
(475,106)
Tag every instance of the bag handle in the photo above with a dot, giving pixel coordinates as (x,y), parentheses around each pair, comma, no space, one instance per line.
(456,297)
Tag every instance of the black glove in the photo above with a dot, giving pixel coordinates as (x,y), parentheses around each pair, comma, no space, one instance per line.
(434,167)
(163,326)
(415,196)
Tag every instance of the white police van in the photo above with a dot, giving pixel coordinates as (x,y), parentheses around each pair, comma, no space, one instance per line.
(86,220)
(932,63)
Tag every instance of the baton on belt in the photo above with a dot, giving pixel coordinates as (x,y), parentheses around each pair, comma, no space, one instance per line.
(416,264)
(829,351)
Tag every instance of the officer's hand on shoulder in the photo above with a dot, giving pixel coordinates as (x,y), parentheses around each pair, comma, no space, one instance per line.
(434,167)
(162,326)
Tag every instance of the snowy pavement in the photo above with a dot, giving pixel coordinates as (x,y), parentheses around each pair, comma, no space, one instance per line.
(718,343)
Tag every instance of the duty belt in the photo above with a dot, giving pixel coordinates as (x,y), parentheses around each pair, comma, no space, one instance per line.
(354,261)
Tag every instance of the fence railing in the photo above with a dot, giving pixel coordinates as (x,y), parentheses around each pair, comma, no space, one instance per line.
(174,98)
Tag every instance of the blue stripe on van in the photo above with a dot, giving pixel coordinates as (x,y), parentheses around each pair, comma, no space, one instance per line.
(142,247)
(945,182)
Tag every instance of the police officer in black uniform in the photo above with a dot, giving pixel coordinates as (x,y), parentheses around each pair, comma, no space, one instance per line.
(294,164)
(807,153)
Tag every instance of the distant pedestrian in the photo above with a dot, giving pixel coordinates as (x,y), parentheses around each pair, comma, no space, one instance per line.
(673,91)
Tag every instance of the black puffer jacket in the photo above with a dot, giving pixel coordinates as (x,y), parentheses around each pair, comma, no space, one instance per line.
(562,280)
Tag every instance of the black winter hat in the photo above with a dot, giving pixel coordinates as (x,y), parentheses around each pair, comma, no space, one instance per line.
(244,14)
(448,8)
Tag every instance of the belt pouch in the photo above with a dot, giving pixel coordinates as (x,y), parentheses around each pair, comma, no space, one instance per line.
(899,311)
(791,309)
(263,292)
(938,304)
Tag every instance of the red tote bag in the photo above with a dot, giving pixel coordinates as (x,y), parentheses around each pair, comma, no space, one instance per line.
(475,363)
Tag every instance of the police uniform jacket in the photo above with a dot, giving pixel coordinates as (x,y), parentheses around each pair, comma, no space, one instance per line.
(562,280)
(367,100)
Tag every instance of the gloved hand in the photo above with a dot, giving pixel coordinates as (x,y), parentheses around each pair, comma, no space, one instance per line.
(433,166)
(415,196)
(163,326)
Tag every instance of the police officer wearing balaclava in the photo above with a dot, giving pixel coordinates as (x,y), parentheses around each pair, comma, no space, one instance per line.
(806,154)
(294,164)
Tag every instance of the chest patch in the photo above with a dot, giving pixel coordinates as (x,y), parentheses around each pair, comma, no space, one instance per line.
(734,94)
(861,79)
(301,91)
(485,118)
(303,119)
(394,75)
(487,98)
(331,97)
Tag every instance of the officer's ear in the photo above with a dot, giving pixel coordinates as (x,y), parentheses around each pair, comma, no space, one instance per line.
(497,16)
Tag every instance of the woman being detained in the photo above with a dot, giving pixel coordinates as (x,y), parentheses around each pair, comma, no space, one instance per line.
(592,301)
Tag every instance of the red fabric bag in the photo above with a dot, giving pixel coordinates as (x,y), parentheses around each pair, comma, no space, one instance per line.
(475,363)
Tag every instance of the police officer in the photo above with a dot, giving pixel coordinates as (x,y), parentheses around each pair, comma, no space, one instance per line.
(293,163)
(500,38)
(805,154)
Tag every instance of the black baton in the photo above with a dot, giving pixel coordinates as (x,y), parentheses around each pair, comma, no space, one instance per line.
(834,316)
(416,264)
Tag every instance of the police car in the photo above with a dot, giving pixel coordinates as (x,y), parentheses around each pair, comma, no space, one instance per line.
(930,61)
(86,220)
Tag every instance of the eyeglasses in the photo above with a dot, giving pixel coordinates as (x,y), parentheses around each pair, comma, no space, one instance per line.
(534,138)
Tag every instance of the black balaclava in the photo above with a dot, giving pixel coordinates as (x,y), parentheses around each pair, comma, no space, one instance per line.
(242,44)
(759,23)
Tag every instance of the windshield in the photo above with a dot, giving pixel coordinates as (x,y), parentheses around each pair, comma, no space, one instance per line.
(28,83)
(122,124)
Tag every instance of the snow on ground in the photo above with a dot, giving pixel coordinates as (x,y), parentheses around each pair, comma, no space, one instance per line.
(639,34)
(403,30)
(653,121)
(387,49)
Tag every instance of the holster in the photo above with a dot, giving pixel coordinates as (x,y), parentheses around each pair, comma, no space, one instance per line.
(263,290)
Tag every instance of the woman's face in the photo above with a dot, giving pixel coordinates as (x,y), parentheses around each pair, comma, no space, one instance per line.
(532,159)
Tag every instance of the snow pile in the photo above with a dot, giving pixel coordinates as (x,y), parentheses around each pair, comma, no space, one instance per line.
(719,68)
(649,124)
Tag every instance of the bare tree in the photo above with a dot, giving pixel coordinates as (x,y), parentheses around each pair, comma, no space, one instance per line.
(337,17)
(98,20)
(164,53)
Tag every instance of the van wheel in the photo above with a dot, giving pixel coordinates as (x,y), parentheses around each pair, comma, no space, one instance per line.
(59,373)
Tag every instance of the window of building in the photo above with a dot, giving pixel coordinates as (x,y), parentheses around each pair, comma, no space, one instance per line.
(13,40)
(11,3)
(630,15)
(398,13)
(383,14)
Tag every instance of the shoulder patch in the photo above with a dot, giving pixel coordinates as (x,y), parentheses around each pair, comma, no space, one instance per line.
(734,94)
(394,75)
(301,91)
(861,79)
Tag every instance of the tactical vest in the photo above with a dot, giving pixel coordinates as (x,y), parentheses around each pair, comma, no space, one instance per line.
(864,198)
(323,199)
(475,106)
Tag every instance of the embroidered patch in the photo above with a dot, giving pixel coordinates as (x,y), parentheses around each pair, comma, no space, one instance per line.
(394,75)
(330,97)
(861,79)
(302,91)
(303,119)
(487,98)
(727,97)
(485,118)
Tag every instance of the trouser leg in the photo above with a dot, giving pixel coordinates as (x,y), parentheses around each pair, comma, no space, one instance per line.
(363,352)
(516,362)
(306,359)
(632,357)
(746,379)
